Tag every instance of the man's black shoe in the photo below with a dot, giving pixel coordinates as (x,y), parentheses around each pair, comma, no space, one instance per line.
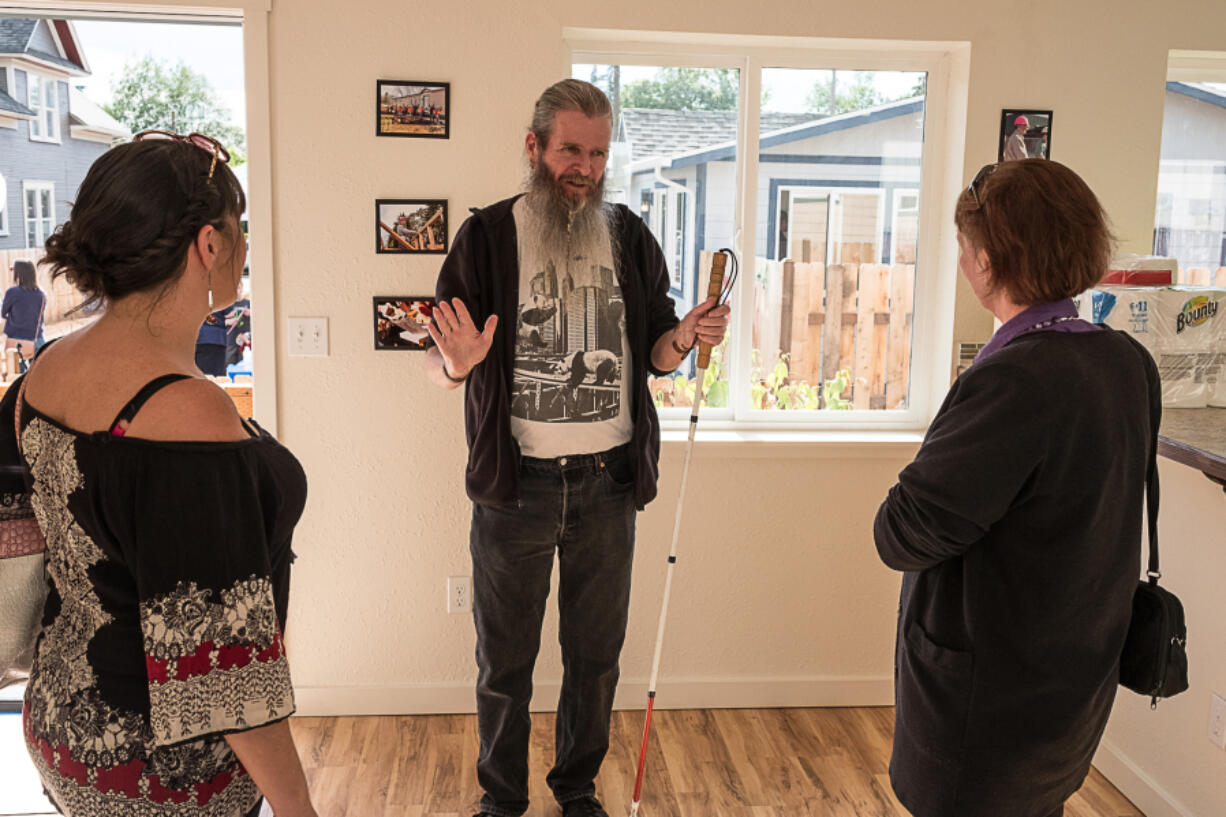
(584,807)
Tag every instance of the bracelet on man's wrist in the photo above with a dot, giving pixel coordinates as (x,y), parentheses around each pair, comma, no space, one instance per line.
(682,350)
(457,380)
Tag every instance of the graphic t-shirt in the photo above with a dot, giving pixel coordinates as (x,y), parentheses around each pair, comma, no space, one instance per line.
(570,394)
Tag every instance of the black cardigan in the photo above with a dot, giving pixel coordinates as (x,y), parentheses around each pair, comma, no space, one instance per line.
(1019,528)
(482,270)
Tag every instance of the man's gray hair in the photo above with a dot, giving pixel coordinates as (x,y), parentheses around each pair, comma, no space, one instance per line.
(567,95)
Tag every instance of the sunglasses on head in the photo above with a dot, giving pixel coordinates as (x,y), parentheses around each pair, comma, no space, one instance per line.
(973,187)
(207,143)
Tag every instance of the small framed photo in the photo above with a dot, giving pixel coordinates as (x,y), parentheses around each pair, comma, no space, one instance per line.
(1024,134)
(413,108)
(401,321)
(412,226)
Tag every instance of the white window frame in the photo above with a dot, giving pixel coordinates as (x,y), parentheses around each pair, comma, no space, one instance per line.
(947,65)
(678,233)
(41,109)
(899,194)
(832,190)
(4,210)
(671,232)
(37,186)
(253,16)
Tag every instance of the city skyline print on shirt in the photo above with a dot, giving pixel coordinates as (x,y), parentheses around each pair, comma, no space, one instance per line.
(568,345)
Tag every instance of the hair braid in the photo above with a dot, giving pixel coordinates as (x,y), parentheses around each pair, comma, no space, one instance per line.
(139,209)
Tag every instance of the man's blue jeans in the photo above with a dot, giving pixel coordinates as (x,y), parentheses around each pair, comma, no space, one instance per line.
(582,507)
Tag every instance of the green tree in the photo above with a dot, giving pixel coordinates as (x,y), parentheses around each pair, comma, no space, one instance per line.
(150,93)
(610,81)
(843,92)
(684,89)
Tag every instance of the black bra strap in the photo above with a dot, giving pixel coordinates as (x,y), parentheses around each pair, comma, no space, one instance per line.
(128,412)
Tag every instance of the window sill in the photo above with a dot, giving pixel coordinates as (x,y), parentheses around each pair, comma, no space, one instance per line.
(788,444)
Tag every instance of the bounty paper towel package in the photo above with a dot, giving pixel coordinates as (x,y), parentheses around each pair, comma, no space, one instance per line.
(1181,326)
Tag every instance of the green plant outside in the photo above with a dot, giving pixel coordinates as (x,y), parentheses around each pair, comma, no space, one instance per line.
(773,390)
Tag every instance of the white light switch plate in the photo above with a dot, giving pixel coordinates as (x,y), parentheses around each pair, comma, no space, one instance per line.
(308,337)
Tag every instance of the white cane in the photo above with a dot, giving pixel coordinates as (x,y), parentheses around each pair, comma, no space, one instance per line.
(715,290)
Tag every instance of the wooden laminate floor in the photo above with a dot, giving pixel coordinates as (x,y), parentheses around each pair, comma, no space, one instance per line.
(702,763)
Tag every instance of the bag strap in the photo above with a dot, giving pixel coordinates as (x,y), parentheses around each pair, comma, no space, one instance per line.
(21,391)
(21,398)
(1154,389)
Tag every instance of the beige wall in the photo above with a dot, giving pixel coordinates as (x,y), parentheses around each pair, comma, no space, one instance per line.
(779,596)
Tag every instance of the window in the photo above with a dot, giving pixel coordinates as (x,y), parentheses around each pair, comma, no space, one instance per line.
(4,199)
(676,232)
(44,98)
(1190,216)
(40,212)
(904,227)
(669,228)
(837,254)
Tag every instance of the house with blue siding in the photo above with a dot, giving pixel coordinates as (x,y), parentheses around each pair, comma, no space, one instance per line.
(49,132)
(1190,220)
(848,184)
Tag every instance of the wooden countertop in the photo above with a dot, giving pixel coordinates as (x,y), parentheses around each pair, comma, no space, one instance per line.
(1196,437)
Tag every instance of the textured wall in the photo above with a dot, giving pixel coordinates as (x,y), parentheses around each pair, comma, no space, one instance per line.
(778,580)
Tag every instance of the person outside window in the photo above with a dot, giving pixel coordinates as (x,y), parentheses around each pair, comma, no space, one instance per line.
(23,311)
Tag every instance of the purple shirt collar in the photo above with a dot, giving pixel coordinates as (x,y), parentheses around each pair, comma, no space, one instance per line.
(1058,316)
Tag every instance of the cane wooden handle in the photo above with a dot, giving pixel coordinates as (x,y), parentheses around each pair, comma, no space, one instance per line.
(718,261)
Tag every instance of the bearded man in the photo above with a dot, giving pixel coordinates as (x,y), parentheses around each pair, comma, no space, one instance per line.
(557,463)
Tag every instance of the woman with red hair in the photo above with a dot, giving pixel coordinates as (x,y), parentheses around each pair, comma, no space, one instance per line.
(1018,525)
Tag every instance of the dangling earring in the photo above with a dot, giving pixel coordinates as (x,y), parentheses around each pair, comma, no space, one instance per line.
(210,291)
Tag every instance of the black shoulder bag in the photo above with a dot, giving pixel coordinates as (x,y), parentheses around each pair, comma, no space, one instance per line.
(1154,661)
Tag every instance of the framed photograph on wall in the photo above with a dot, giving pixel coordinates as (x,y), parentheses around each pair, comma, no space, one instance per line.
(411,226)
(401,321)
(1024,134)
(412,108)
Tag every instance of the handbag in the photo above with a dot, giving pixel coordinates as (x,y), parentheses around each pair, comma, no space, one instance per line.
(1155,659)
(23,583)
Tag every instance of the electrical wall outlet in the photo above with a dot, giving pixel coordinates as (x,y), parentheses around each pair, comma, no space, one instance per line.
(308,337)
(459,594)
(1217,720)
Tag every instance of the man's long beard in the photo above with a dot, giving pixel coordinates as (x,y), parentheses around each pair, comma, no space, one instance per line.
(560,228)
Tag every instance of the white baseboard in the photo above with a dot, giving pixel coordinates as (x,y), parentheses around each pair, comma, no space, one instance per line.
(1135,784)
(710,693)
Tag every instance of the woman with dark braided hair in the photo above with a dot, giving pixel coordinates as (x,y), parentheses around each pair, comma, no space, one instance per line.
(160,684)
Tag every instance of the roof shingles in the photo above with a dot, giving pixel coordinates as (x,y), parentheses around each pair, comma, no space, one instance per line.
(15,34)
(10,105)
(54,59)
(653,132)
